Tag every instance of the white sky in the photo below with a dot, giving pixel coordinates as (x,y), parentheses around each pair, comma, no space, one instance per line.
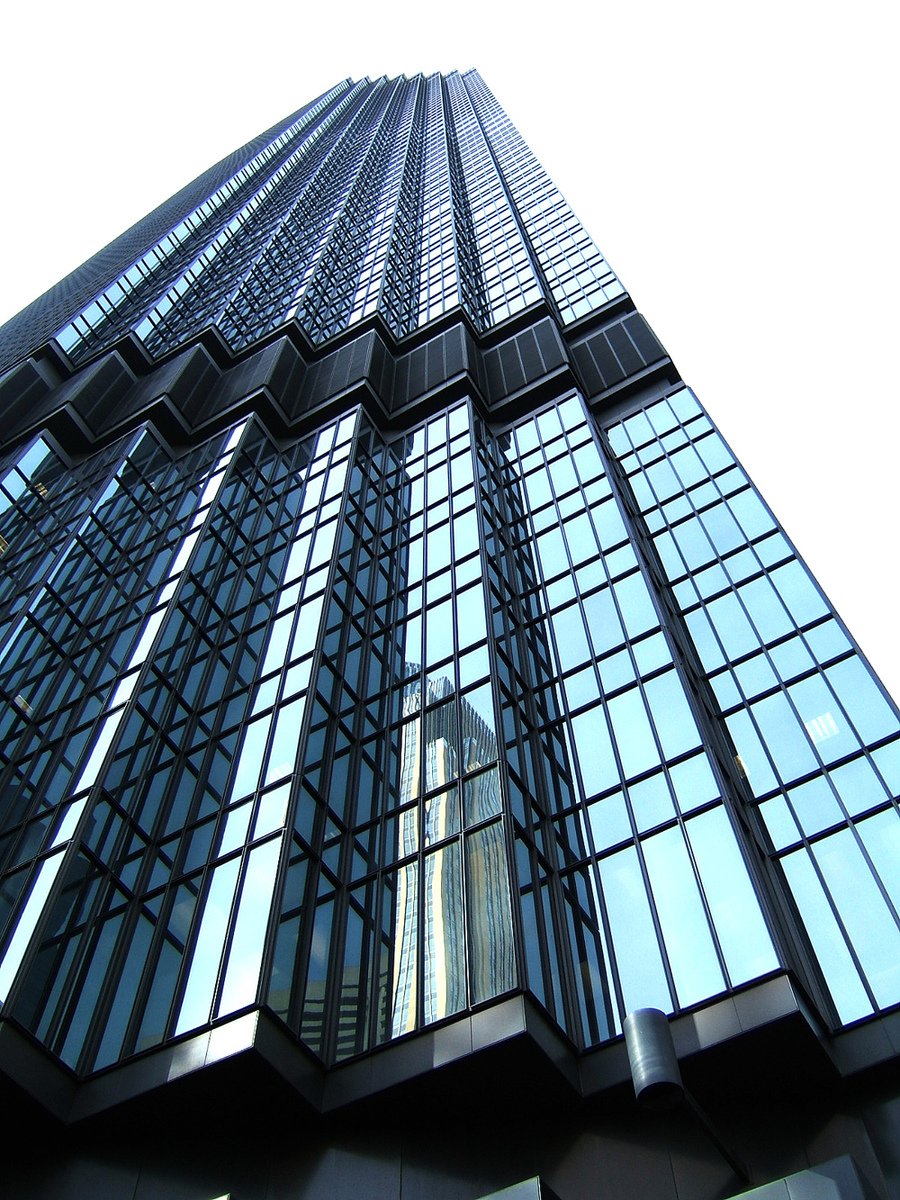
(736,163)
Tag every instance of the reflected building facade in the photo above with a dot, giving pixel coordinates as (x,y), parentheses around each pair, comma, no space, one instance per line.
(402,683)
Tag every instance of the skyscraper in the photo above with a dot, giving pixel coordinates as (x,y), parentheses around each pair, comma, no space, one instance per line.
(402,684)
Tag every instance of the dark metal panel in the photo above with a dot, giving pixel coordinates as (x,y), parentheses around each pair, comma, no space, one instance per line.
(513,373)
(644,338)
(624,348)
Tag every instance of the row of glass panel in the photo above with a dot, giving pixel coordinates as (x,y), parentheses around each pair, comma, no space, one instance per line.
(282,745)
(814,731)
(407,196)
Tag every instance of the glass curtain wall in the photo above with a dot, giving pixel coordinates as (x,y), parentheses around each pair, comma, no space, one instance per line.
(373,728)
(816,737)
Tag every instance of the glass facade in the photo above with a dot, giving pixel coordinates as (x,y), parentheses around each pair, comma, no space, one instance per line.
(407,197)
(370,722)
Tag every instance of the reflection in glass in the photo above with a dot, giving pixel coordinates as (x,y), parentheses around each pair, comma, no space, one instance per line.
(251,924)
(198,993)
(441,816)
(442,916)
(491,944)
(481,797)
(404,938)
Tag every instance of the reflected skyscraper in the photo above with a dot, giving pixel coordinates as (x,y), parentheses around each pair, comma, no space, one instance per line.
(402,683)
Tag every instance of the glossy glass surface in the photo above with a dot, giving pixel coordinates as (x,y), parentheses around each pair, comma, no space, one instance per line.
(406,197)
(814,734)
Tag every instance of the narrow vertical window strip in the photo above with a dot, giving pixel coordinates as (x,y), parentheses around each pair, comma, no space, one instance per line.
(108,724)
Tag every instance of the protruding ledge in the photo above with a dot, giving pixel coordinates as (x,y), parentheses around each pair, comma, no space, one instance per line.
(753,1040)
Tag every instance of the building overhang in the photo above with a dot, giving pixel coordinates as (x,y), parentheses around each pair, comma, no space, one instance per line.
(759,1040)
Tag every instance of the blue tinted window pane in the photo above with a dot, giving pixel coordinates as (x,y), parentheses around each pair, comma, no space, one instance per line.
(672,716)
(580,538)
(862,908)
(251,756)
(798,592)
(663,480)
(637,609)
(616,671)
(781,826)
(284,741)
(732,626)
(251,923)
(685,404)
(750,749)
(827,641)
(672,562)
(751,513)
(609,822)
(439,632)
(205,962)
(470,616)
(881,836)
(595,755)
(603,621)
(651,653)
(562,473)
(766,610)
(582,688)
(537,486)
(704,639)
(695,546)
(791,658)
(552,554)
(692,955)
(887,760)
(726,690)
(823,720)
(841,975)
(755,675)
(633,733)
(736,913)
(722,528)
(609,525)
(714,453)
(784,737)
(571,640)
(861,697)
(651,802)
(445,981)
(491,943)
(694,783)
(858,786)
(634,937)
(815,806)
(689,465)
